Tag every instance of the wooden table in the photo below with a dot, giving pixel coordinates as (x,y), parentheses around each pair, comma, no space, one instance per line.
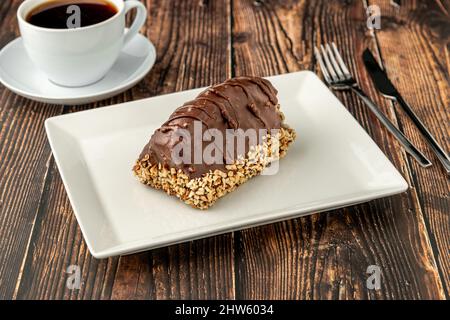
(323,256)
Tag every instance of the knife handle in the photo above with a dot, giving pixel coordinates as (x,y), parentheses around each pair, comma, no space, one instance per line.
(437,149)
(409,147)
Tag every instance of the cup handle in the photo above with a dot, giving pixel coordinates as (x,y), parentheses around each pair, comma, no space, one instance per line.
(141,17)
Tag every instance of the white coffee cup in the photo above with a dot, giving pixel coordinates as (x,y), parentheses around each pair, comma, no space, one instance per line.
(81,56)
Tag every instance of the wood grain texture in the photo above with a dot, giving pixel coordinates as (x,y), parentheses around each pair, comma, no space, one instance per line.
(326,256)
(193,44)
(24,154)
(414,44)
(56,243)
(192,41)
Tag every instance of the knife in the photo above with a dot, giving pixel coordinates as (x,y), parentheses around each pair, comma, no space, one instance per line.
(387,89)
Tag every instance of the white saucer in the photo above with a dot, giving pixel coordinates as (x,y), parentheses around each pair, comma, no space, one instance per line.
(18,74)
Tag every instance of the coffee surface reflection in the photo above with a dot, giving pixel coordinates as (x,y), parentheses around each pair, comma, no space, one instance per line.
(60,14)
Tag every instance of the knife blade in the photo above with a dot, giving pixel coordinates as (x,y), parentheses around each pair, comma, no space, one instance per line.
(388,90)
(379,77)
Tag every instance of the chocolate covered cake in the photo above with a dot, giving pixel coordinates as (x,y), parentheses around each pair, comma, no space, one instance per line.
(209,146)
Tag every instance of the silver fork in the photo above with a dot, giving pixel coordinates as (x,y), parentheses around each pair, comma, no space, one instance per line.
(338,77)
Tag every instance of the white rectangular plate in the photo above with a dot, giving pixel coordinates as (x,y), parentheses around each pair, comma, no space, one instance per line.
(333,163)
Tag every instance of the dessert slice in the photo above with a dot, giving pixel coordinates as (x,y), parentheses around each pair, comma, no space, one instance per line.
(209,146)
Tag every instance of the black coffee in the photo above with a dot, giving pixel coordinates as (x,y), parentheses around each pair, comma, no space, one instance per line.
(61,14)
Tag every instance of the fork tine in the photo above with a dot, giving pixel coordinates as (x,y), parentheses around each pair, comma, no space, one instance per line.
(341,62)
(328,64)
(322,65)
(334,62)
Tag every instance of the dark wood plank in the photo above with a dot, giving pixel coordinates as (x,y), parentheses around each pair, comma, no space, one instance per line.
(56,243)
(193,46)
(25,156)
(192,41)
(201,269)
(414,43)
(322,256)
(326,256)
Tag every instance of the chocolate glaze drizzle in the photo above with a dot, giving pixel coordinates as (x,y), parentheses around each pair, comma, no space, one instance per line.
(238,103)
